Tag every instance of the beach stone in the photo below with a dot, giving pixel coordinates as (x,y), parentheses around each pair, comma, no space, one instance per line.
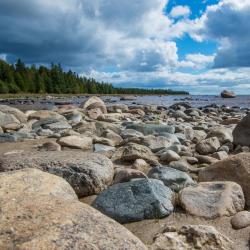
(208,146)
(181,165)
(235,168)
(101,127)
(172,178)
(205,159)
(99,148)
(45,114)
(198,136)
(109,134)
(136,200)
(190,237)
(94,113)
(44,222)
(57,126)
(87,173)
(213,199)
(19,115)
(133,151)
(116,108)
(148,129)
(94,102)
(241,220)
(131,133)
(125,175)
(223,134)
(30,181)
(50,146)
(241,133)
(156,143)
(74,141)
(141,165)
(220,155)
(6,119)
(169,156)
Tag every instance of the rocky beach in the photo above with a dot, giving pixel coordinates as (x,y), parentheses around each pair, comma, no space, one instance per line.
(117,173)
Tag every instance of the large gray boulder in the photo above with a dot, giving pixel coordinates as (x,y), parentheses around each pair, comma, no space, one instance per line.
(46,222)
(227,94)
(87,173)
(172,178)
(241,133)
(19,115)
(148,129)
(136,200)
(94,102)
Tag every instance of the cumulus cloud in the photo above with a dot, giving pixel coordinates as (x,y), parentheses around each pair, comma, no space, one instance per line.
(228,23)
(180,11)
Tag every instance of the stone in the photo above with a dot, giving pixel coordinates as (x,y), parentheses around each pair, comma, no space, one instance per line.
(45,222)
(114,137)
(136,200)
(45,114)
(227,94)
(50,146)
(100,148)
(94,113)
(205,159)
(94,102)
(234,168)
(87,173)
(169,156)
(208,146)
(148,129)
(172,178)
(223,134)
(57,126)
(128,98)
(181,165)
(241,220)
(30,181)
(19,115)
(6,119)
(191,237)
(198,136)
(131,133)
(74,141)
(141,165)
(212,199)
(125,175)
(241,133)
(156,143)
(220,155)
(133,151)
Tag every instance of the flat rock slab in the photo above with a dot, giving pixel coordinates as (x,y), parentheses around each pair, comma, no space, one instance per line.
(87,173)
(213,199)
(136,200)
(45,222)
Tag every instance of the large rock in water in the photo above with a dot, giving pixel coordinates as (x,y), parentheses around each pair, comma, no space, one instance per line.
(46,222)
(191,237)
(172,178)
(241,133)
(213,199)
(33,181)
(148,129)
(87,173)
(227,94)
(235,168)
(136,200)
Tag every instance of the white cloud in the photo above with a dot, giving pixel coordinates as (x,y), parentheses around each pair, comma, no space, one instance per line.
(180,11)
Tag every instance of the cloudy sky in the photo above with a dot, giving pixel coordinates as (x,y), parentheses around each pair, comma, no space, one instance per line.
(202,46)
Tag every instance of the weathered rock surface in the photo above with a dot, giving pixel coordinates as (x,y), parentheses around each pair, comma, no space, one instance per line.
(234,168)
(208,146)
(241,220)
(135,200)
(241,133)
(74,141)
(125,175)
(94,102)
(213,199)
(172,178)
(19,115)
(227,94)
(31,181)
(191,237)
(87,173)
(44,222)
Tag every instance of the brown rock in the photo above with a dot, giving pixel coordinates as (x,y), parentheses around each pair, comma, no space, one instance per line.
(125,175)
(74,141)
(241,133)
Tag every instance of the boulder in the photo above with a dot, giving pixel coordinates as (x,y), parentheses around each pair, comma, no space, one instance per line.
(125,175)
(235,168)
(213,199)
(133,151)
(6,119)
(191,237)
(131,133)
(169,156)
(148,129)
(156,143)
(208,146)
(94,102)
(241,220)
(19,115)
(50,146)
(32,181)
(172,178)
(241,133)
(45,222)
(141,165)
(87,173)
(136,200)
(74,141)
(223,134)
(45,114)
(227,94)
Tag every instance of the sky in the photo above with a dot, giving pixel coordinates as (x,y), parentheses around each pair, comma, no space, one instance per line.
(201,46)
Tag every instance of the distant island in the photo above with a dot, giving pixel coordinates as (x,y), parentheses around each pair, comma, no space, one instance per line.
(19,78)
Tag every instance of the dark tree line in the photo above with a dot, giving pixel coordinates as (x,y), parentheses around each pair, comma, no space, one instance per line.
(19,78)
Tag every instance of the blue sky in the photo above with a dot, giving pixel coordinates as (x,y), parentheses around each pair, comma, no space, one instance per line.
(198,45)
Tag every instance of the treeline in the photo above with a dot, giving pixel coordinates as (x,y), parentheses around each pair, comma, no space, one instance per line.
(19,78)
